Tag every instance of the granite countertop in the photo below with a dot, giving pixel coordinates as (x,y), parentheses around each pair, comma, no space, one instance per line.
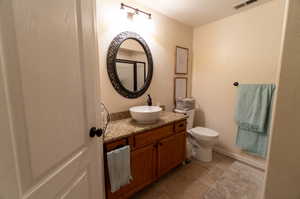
(126,127)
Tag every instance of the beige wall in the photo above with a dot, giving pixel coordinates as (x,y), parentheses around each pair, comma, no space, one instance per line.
(244,48)
(283,173)
(162,35)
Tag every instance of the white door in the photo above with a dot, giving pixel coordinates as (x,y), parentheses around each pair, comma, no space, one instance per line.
(49,90)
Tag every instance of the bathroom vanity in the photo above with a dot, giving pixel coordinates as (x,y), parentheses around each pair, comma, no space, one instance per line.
(155,149)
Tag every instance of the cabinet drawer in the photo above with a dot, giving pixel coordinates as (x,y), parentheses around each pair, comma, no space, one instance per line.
(180,126)
(114,145)
(153,135)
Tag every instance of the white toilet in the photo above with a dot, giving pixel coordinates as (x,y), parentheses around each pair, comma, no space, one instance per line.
(202,139)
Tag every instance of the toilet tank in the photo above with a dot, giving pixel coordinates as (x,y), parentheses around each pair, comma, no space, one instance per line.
(191,116)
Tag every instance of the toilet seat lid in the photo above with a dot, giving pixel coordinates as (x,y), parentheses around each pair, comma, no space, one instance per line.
(204,132)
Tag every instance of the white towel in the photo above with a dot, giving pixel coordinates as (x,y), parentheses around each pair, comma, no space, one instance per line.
(119,169)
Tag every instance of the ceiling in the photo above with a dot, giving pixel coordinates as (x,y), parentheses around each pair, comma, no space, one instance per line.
(197,12)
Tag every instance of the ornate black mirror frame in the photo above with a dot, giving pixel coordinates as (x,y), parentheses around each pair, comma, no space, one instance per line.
(111,64)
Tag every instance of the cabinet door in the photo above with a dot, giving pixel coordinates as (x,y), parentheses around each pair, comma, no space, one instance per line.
(143,164)
(171,152)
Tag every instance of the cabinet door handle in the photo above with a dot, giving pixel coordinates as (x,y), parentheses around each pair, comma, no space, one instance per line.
(181,125)
(160,144)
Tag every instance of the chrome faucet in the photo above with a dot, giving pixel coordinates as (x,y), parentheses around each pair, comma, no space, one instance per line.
(149,100)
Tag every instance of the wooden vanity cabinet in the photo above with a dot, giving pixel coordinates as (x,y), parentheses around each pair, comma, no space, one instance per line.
(153,153)
(170,153)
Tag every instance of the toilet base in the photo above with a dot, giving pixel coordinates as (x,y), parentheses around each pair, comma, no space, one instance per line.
(203,154)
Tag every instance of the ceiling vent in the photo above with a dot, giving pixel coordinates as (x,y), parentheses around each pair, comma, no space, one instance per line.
(244,4)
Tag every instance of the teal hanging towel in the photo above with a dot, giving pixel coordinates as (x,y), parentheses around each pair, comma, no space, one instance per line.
(253,114)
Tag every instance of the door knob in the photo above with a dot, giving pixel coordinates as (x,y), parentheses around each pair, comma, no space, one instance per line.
(94,131)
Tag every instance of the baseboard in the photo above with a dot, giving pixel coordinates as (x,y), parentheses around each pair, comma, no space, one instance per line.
(240,158)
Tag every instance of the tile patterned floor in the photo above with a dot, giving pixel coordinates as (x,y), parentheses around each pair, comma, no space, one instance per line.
(190,181)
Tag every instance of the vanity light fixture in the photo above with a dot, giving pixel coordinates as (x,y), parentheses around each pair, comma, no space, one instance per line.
(135,10)
(245,3)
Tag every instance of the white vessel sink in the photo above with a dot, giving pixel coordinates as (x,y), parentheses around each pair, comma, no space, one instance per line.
(145,114)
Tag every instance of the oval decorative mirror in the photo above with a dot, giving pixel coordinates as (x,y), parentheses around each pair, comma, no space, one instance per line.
(129,64)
